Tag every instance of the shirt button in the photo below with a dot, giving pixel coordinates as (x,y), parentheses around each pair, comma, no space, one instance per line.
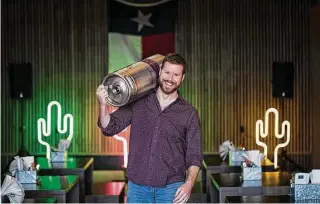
(154,140)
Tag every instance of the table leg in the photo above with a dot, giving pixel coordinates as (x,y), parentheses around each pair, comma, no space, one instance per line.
(89,179)
(214,194)
(61,198)
(73,194)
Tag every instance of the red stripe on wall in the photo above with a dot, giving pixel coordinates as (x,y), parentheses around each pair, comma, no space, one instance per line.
(158,44)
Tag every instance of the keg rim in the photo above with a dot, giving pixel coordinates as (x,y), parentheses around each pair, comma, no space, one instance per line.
(126,82)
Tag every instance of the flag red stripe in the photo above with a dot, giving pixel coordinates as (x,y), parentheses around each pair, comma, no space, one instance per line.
(158,44)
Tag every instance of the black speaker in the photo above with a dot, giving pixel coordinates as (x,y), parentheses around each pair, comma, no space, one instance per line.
(282,79)
(20,76)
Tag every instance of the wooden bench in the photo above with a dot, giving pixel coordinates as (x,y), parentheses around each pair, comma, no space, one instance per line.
(108,192)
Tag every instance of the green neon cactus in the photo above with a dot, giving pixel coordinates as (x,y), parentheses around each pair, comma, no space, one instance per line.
(44,126)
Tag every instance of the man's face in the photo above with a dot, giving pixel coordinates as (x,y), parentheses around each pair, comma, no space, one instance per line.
(170,77)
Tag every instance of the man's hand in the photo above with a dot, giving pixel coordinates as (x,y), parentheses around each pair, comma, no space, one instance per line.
(102,95)
(183,193)
(104,115)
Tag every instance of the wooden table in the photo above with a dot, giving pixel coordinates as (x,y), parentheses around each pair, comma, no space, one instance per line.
(80,166)
(229,184)
(265,199)
(63,188)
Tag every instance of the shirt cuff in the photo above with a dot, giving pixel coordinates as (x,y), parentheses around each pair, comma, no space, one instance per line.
(195,163)
(106,131)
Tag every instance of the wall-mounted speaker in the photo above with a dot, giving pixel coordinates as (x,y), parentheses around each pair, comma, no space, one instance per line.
(282,79)
(20,76)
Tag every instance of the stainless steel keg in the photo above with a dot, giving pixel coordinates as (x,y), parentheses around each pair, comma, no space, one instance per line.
(132,82)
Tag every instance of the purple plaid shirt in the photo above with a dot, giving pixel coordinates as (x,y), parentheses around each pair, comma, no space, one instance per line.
(163,144)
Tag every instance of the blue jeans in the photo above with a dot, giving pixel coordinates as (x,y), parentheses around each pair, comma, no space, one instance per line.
(147,194)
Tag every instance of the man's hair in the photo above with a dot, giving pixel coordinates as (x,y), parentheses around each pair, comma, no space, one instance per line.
(175,58)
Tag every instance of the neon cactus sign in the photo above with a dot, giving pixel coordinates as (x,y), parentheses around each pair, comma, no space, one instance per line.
(263,132)
(44,126)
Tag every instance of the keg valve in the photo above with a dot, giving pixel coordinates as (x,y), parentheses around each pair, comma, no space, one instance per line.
(115,90)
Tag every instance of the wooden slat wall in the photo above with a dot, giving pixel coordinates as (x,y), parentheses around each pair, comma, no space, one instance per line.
(315,47)
(229,44)
(66,42)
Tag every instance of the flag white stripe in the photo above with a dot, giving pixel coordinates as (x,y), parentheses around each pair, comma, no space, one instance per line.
(123,50)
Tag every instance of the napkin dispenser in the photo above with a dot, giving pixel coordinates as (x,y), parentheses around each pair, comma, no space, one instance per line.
(24,169)
(236,158)
(60,154)
(251,173)
(306,191)
(251,167)
(27,177)
(303,189)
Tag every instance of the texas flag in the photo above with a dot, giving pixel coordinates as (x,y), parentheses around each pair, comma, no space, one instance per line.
(139,30)
(136,31)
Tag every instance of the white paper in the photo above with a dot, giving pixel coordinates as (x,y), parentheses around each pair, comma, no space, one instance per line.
(64,145)
(254,157)
(315,176)
(225,147)
(27,162)
(13,189)
(19,163)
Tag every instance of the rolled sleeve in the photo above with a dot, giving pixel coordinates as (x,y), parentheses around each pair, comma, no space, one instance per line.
(194,146)
(119,120)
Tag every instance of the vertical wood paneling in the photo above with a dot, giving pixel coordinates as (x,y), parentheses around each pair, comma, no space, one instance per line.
(315,47)
(229,45)
(66,42)
(232,46)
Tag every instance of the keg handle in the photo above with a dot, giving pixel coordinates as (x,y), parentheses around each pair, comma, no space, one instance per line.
(116,90)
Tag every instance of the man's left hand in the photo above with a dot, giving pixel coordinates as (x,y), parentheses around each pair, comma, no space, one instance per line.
(183,193)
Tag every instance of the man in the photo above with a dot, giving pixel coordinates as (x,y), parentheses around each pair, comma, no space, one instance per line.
(165,138)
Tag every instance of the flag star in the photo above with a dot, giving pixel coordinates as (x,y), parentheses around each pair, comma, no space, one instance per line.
(142,20)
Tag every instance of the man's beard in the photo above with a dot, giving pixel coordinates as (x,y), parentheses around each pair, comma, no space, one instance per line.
(168,90)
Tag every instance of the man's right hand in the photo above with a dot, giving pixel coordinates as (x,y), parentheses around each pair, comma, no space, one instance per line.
(102,95)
